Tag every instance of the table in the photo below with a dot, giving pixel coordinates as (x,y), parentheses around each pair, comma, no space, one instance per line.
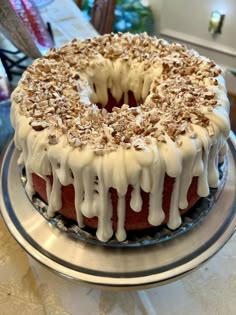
(26,287)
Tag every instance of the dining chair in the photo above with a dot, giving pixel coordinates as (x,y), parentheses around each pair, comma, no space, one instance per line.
(103,15)
(79,3)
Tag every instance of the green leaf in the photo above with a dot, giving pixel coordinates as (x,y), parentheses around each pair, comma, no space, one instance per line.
(130,16)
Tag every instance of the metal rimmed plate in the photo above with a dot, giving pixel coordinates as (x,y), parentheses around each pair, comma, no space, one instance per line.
(137,267)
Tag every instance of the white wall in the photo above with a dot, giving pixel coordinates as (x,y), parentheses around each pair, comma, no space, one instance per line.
(187,21)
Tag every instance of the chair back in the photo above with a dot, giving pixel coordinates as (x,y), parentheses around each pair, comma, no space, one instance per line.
(103,15)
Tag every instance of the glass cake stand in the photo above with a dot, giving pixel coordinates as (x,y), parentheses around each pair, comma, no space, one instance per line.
(135,267)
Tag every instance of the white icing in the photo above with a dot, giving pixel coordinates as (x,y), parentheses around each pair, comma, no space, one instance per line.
(144,169)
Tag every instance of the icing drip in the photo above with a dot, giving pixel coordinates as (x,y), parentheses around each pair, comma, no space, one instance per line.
(136,200)
(55,203)
(48,187)
(79,194)
(156,213)
(174,219)
(187,173)
(120,233)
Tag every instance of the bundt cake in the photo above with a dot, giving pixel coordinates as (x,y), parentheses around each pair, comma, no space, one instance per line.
(121,132)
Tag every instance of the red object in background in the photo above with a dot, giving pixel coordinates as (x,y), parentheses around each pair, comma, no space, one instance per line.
(30,15)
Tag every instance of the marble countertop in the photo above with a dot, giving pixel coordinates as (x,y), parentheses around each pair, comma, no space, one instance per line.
(26,287)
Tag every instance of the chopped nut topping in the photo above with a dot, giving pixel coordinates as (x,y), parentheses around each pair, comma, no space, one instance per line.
(51,93)
(38,125)
(52,139)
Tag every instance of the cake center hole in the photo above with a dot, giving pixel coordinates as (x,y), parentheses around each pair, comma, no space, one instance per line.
(112,102)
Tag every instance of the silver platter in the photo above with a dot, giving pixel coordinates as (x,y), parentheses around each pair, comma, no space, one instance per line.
(115,267)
